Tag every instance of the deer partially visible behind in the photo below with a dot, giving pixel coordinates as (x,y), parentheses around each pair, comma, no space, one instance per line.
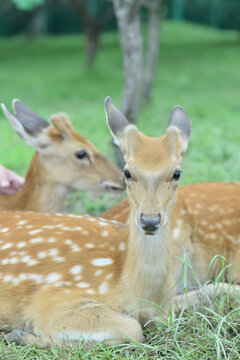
(64,161)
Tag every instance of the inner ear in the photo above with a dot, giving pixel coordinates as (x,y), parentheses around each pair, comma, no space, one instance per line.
(62,125)
(180,120)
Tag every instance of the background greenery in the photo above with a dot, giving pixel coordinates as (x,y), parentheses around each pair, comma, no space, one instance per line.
(198,69)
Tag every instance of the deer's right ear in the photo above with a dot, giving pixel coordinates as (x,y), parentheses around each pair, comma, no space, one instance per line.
(28,125)
(117,123)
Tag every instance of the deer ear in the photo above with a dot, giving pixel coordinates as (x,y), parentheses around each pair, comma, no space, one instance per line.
(116,121)
(179,119)
(62,124)
(32,122)
(28,125)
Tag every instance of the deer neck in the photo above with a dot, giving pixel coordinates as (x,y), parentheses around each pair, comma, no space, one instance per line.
(40,193)
(146,269)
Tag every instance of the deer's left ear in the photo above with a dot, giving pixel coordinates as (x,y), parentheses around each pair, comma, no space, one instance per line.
(179,119)
(120,128)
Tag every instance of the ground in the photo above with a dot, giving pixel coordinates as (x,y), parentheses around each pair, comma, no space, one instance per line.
(198,69)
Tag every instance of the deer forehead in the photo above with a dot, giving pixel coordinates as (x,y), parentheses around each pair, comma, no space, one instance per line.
(153,154)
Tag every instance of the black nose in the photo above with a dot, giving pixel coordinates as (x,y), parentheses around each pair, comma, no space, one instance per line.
(150,223)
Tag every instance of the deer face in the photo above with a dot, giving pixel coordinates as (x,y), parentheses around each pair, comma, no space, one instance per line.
(68,158)
(152,171)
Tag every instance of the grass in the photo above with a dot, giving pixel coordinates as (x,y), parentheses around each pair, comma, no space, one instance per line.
(199,69)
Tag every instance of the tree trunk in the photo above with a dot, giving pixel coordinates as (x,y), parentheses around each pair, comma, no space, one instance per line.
(37,23)
(128,20)
(152,47)
(92,43)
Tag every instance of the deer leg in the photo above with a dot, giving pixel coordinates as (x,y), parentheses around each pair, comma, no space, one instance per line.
(195,297)
(68,320)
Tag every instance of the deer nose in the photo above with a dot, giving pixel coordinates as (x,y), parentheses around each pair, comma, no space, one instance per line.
(150,223)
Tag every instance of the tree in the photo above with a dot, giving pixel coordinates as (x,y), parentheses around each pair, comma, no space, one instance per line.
(128,18)
(93,24)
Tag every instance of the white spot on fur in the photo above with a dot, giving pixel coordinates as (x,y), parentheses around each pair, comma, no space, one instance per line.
(21,244)
(13,260)
(36,240)
(4,230)
(7,278)
(53,277)
(76,269)
(22,222)
(36,277)
(75,248)
(78,277)
(103,288)
(78,228)
(102,223)
(53,252)
(51,240)
(68,242)
(41,255)
(122,246)
(83,284)
(89,245)
(176,233)
(98,272)
(32,262)
(102,261)
(85,232)
(33,232)
(105,233)
(91,219)
(90,291)
(5,261)
(109,276)
(7,246)
(58,258)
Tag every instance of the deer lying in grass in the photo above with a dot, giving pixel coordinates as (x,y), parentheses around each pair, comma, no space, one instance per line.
(71,277)
(64,161)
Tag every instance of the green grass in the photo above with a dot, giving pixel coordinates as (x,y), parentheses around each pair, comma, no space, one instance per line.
(198,69)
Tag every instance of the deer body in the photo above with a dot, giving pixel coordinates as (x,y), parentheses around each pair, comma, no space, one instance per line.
(66,278)
(64,161)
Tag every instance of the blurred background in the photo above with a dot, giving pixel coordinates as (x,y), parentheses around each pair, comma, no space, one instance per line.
(68,55)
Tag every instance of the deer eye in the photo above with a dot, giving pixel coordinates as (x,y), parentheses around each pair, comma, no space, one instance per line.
(81,154)
(176,175)
(127,174)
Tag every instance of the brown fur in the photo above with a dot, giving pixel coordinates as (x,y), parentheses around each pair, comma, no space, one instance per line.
(54,170)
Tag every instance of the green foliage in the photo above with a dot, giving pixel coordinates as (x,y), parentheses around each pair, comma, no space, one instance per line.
(27,4)
(198,69)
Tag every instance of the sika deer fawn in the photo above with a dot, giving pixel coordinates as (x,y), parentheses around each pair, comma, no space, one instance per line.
(70,277)
(64,161)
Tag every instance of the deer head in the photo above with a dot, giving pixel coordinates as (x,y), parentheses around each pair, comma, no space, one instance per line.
(153,165)
(68,157)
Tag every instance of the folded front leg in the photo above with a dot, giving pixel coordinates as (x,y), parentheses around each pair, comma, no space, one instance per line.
(59,318)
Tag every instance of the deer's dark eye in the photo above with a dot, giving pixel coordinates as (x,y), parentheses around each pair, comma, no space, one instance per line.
(176,175)
(127,174)
(81,154)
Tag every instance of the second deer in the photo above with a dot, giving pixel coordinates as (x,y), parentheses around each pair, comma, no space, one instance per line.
(64,161)
(67,278)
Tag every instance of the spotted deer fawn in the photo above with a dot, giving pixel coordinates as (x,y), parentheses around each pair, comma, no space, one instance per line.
(67,278)
(64,161)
